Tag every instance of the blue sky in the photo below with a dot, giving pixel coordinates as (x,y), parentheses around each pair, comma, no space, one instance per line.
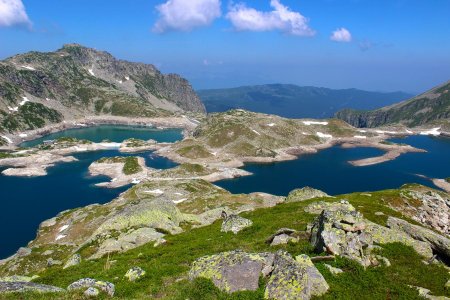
(383,45)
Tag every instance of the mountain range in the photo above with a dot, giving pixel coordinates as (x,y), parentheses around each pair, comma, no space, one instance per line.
(294,101)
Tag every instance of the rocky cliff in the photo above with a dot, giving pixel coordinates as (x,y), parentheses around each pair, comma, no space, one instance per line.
(430,107)
(75,81)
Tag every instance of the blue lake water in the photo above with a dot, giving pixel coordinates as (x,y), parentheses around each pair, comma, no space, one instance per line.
(28,201)
(329,171)
(114,133)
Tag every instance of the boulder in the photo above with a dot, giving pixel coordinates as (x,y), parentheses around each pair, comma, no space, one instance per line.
(233,271)
(73,261)
(305,193)
(84,283)
(317,207)
(18,278)
(342,232)
(25,287)
(294,279)
(437,242)
(134,274)
(333,270)
(283,236)
(235,223)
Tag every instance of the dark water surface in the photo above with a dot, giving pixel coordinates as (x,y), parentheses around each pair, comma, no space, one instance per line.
(329,171)
(26,202)
(114,133)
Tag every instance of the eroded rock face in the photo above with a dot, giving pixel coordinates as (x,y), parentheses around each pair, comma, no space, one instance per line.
(294,279)
(23,287)
(87,283)
(437,242)
(233,271)
(235,223)
(305,193)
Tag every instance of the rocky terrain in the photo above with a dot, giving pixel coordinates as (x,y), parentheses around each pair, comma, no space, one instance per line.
(37,89)
(188,238)
(431,108)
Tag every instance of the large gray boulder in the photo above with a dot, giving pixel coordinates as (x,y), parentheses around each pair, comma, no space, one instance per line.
(283,236)
(235,223)
(73,261)
(342,232)
(233,271)
(305,193)
(294,279)
(437,242)
(24,287)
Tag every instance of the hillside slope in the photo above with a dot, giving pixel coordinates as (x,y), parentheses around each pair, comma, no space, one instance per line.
(432,107)
(293,101)
(75,81)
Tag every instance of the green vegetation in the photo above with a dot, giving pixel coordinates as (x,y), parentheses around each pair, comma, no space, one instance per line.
(194,151)
(131,164)
(167,264)
(31,116)
(448,180)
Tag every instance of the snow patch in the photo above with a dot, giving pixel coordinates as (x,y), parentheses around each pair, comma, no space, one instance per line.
(409,131)
(362,131)
(360,137)
(7,139)
(91,72)
(28,68)
(179,201)
(23,135)
(135,181)
(61,236)
(47,99)
(256,132)
(179,194)
(434,131)
(388,132)
(324,135)
(63,228)
(119,81)
(110,145)
(25,100)
(271,124)
(13,109)
(156,192)
(127,78)
(308,123)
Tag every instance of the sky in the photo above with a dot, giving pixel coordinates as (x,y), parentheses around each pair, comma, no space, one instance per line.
(382,45)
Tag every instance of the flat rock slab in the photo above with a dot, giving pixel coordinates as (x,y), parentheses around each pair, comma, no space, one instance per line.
(22,287)
(232,271)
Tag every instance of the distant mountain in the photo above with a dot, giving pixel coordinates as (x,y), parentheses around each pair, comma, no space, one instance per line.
(41,88)
(294,101)
(430,107)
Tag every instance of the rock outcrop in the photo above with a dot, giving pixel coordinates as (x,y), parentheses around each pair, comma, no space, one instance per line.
(437,242)
(294,279)
(25,287)
(283,236)
(239,271)
(87,283)
(135,273)
(305,193)
(234,223)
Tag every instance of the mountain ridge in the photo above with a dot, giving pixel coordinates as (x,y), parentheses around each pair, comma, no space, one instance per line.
(39,88)
(293,101)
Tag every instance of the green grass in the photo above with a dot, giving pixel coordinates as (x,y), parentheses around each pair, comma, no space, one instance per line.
(167,265)
(448,179)
(194,151)
(131,164)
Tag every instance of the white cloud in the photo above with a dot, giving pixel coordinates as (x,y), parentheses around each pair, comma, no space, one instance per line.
(12,12)
(185,15)
(280,18)
(341,35)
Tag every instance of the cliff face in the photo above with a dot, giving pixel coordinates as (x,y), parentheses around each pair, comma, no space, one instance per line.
(430,107)
(75,81)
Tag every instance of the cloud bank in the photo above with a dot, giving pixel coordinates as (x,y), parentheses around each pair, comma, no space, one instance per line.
(12,13)
(182,15)
(281,18)
(341,35)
